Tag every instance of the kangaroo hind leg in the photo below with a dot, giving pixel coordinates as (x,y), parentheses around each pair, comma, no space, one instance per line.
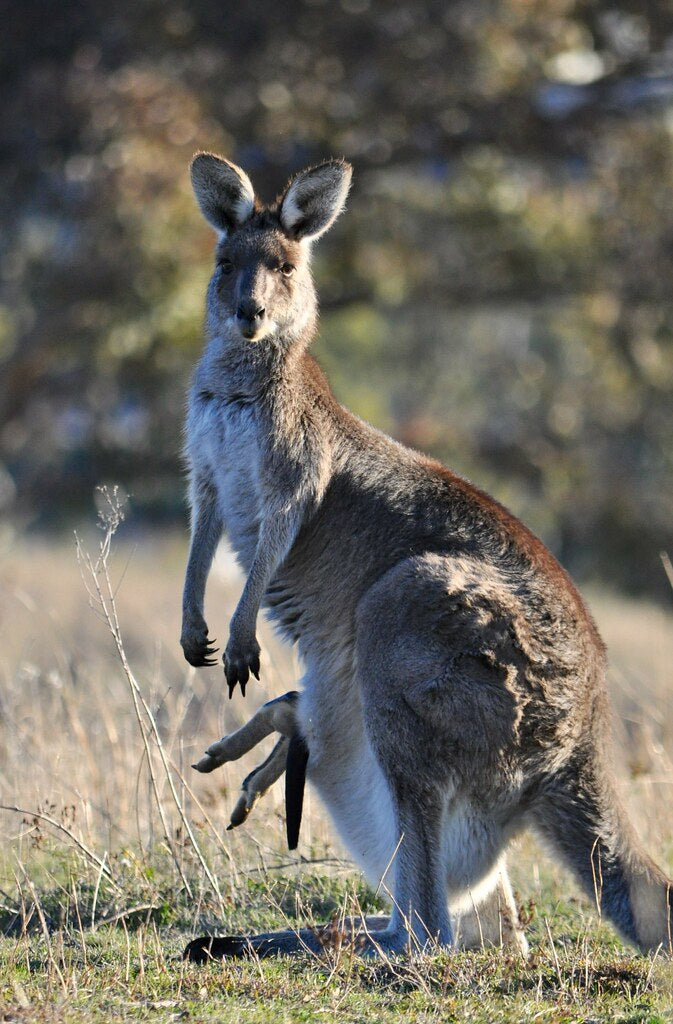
(442,721)
(258,781)
(489,916)
(277,715)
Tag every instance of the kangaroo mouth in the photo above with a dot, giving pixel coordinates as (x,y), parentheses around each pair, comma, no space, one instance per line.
(255,332)
(252,332)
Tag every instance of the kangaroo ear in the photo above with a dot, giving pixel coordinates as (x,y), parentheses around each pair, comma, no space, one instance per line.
(315,198)
(223,191)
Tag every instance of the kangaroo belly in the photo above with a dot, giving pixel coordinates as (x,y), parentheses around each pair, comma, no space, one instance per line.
(359,804)
(343,769)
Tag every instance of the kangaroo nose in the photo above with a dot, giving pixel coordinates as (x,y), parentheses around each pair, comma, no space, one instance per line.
(250,310)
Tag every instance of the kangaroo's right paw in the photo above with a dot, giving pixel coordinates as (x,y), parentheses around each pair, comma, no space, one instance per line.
(197,646)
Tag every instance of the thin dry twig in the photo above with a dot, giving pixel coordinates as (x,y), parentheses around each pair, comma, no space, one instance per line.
(100,864)
(557,965)
(209,822)
(45,929)
(95,897)
(123,914)
(104,592)
(109,617)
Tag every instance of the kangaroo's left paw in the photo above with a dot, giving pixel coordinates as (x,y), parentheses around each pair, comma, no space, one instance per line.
(240,659)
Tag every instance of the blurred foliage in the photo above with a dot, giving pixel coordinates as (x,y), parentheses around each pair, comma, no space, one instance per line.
(499,292)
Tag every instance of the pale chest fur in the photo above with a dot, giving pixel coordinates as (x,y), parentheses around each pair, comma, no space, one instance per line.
(223,448)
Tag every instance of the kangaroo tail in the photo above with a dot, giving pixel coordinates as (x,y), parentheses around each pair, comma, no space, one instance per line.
(582,817)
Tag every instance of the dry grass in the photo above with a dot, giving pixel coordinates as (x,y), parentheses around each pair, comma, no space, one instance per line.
(70,738)
(101,839)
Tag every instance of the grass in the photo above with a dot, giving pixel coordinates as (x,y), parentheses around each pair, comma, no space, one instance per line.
(130,969)
(114,853)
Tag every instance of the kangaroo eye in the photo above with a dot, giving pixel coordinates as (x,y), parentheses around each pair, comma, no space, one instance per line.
(286,269)
(226,266)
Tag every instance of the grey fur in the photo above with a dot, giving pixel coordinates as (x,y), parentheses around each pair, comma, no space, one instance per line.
(454,689)
(223,191)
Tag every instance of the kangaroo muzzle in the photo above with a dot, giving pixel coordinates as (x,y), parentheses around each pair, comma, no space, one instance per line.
(250,316)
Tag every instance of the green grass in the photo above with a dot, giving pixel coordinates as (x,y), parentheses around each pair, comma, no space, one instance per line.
(55,966)
(102,885)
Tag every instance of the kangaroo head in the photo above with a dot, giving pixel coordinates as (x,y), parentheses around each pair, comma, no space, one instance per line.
(262,286)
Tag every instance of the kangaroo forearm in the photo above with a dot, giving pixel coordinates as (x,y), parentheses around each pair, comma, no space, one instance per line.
(206,532)
(275,540)
(241,656)
(206,535)
(244,618)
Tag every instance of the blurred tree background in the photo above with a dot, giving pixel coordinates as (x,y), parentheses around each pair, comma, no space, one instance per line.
(499,292)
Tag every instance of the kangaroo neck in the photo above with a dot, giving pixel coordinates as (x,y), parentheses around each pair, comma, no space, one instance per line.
(257,371)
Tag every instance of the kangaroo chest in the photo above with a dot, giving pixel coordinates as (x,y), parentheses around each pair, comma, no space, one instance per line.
(224,445)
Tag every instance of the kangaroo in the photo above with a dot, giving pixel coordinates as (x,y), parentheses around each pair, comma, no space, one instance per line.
(454,690)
